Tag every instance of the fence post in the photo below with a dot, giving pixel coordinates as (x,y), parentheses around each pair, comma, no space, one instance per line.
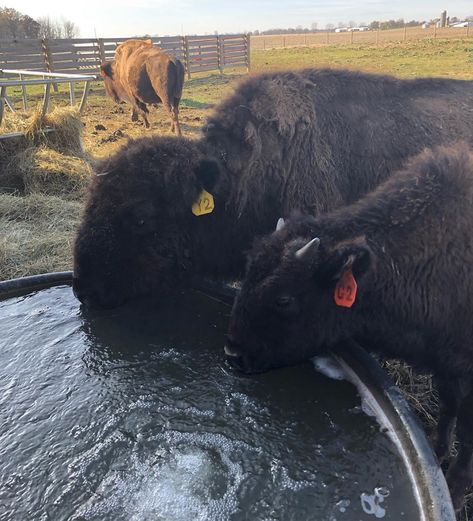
(48,59)
(327,35)
(248,52)
(377,36)
(186,57)
(351,37)
(405,33)
(23,94)
(284,42)
(435,31)
(468,30)
(101,49)
(220,53)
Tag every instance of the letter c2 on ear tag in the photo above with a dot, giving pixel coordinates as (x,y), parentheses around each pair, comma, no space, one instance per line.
(345,290)
(205,204)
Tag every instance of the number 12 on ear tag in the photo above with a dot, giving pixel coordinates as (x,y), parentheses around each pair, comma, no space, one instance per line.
(204,204)
(345,290)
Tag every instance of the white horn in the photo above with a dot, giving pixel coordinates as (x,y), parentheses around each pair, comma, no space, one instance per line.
(311,247)
(280,224)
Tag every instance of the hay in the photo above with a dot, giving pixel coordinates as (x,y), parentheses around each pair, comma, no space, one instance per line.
(37,234)
(50,163)
(67,137)
(46,171)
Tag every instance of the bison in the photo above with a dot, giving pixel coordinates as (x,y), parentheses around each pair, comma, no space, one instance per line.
(392,271)
(315,140)
(142,74)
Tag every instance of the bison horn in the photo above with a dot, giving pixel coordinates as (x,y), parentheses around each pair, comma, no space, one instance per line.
(309,249)
(280,224)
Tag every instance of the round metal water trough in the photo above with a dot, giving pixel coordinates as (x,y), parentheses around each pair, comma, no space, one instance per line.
(378,392)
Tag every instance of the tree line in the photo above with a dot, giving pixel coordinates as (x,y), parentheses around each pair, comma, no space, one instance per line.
(16,26)
(374,25)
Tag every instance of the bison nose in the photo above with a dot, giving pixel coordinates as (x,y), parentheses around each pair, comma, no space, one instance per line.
(84,293)
(234,357)
(232,347)
(92,296)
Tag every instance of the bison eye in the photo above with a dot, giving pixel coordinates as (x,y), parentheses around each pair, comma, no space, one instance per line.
(287,306)
(284,301)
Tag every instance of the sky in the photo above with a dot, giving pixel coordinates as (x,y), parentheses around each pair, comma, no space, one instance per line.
(123,18)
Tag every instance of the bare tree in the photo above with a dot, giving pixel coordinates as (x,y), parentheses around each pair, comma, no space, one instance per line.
(69,29)
(313,26)
(52,29)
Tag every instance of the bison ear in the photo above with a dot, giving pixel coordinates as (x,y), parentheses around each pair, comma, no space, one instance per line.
(355,255)
(208,173)
(252,137)
(106,69)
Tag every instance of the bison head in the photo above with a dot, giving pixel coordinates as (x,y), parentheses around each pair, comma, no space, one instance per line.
(286,312)
(111,85)
(133,238)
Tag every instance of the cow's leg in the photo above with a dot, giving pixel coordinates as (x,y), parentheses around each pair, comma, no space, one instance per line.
(142,109)
(175,116)
(167,105)
(450,397)
(460,473)
(134,114)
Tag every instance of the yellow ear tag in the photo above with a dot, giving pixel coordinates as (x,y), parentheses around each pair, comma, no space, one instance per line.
(204,204)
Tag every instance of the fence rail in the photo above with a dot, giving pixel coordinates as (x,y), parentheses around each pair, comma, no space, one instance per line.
(274,41)
(27,77)
(198,53)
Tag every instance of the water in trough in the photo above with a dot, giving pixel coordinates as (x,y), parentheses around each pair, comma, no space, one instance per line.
(132,414)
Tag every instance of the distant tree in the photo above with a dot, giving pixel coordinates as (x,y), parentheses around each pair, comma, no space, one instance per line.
(70,29)
(374,25)
(351,23)
(313,26)
(340,24)
(16,25)
(329,27)
(52,29)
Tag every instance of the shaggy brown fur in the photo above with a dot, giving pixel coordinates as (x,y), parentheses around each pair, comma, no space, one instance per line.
(141,74)
(409,245)
(312,140)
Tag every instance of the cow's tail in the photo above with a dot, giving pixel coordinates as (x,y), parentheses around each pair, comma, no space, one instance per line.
(176,70)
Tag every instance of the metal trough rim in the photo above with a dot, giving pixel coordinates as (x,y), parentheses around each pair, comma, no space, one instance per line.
(427,478)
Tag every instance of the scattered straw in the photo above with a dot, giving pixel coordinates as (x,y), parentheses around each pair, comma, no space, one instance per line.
(37,234)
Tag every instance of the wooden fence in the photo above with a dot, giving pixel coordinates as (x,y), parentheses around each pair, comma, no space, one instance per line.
(198,53)
(274,41)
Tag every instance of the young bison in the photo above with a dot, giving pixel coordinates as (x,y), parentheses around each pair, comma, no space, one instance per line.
(392,271)
(142,74)
(314,140)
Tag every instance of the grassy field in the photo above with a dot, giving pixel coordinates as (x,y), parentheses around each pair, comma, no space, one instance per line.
(275,41)
(38,221)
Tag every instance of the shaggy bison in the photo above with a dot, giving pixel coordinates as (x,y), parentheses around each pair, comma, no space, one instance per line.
(392,271)
(142,73)
(313,140)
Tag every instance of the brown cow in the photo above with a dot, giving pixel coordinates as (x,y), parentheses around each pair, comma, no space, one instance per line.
(142,74)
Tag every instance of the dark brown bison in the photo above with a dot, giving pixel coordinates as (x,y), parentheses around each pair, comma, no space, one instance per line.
(313,140)
(142,74)
(392,271)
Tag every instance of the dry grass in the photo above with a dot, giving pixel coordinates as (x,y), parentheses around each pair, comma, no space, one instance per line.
(43,176)
(36,234)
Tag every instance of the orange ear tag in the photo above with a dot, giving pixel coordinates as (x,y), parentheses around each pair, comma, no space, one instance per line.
(345,290)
